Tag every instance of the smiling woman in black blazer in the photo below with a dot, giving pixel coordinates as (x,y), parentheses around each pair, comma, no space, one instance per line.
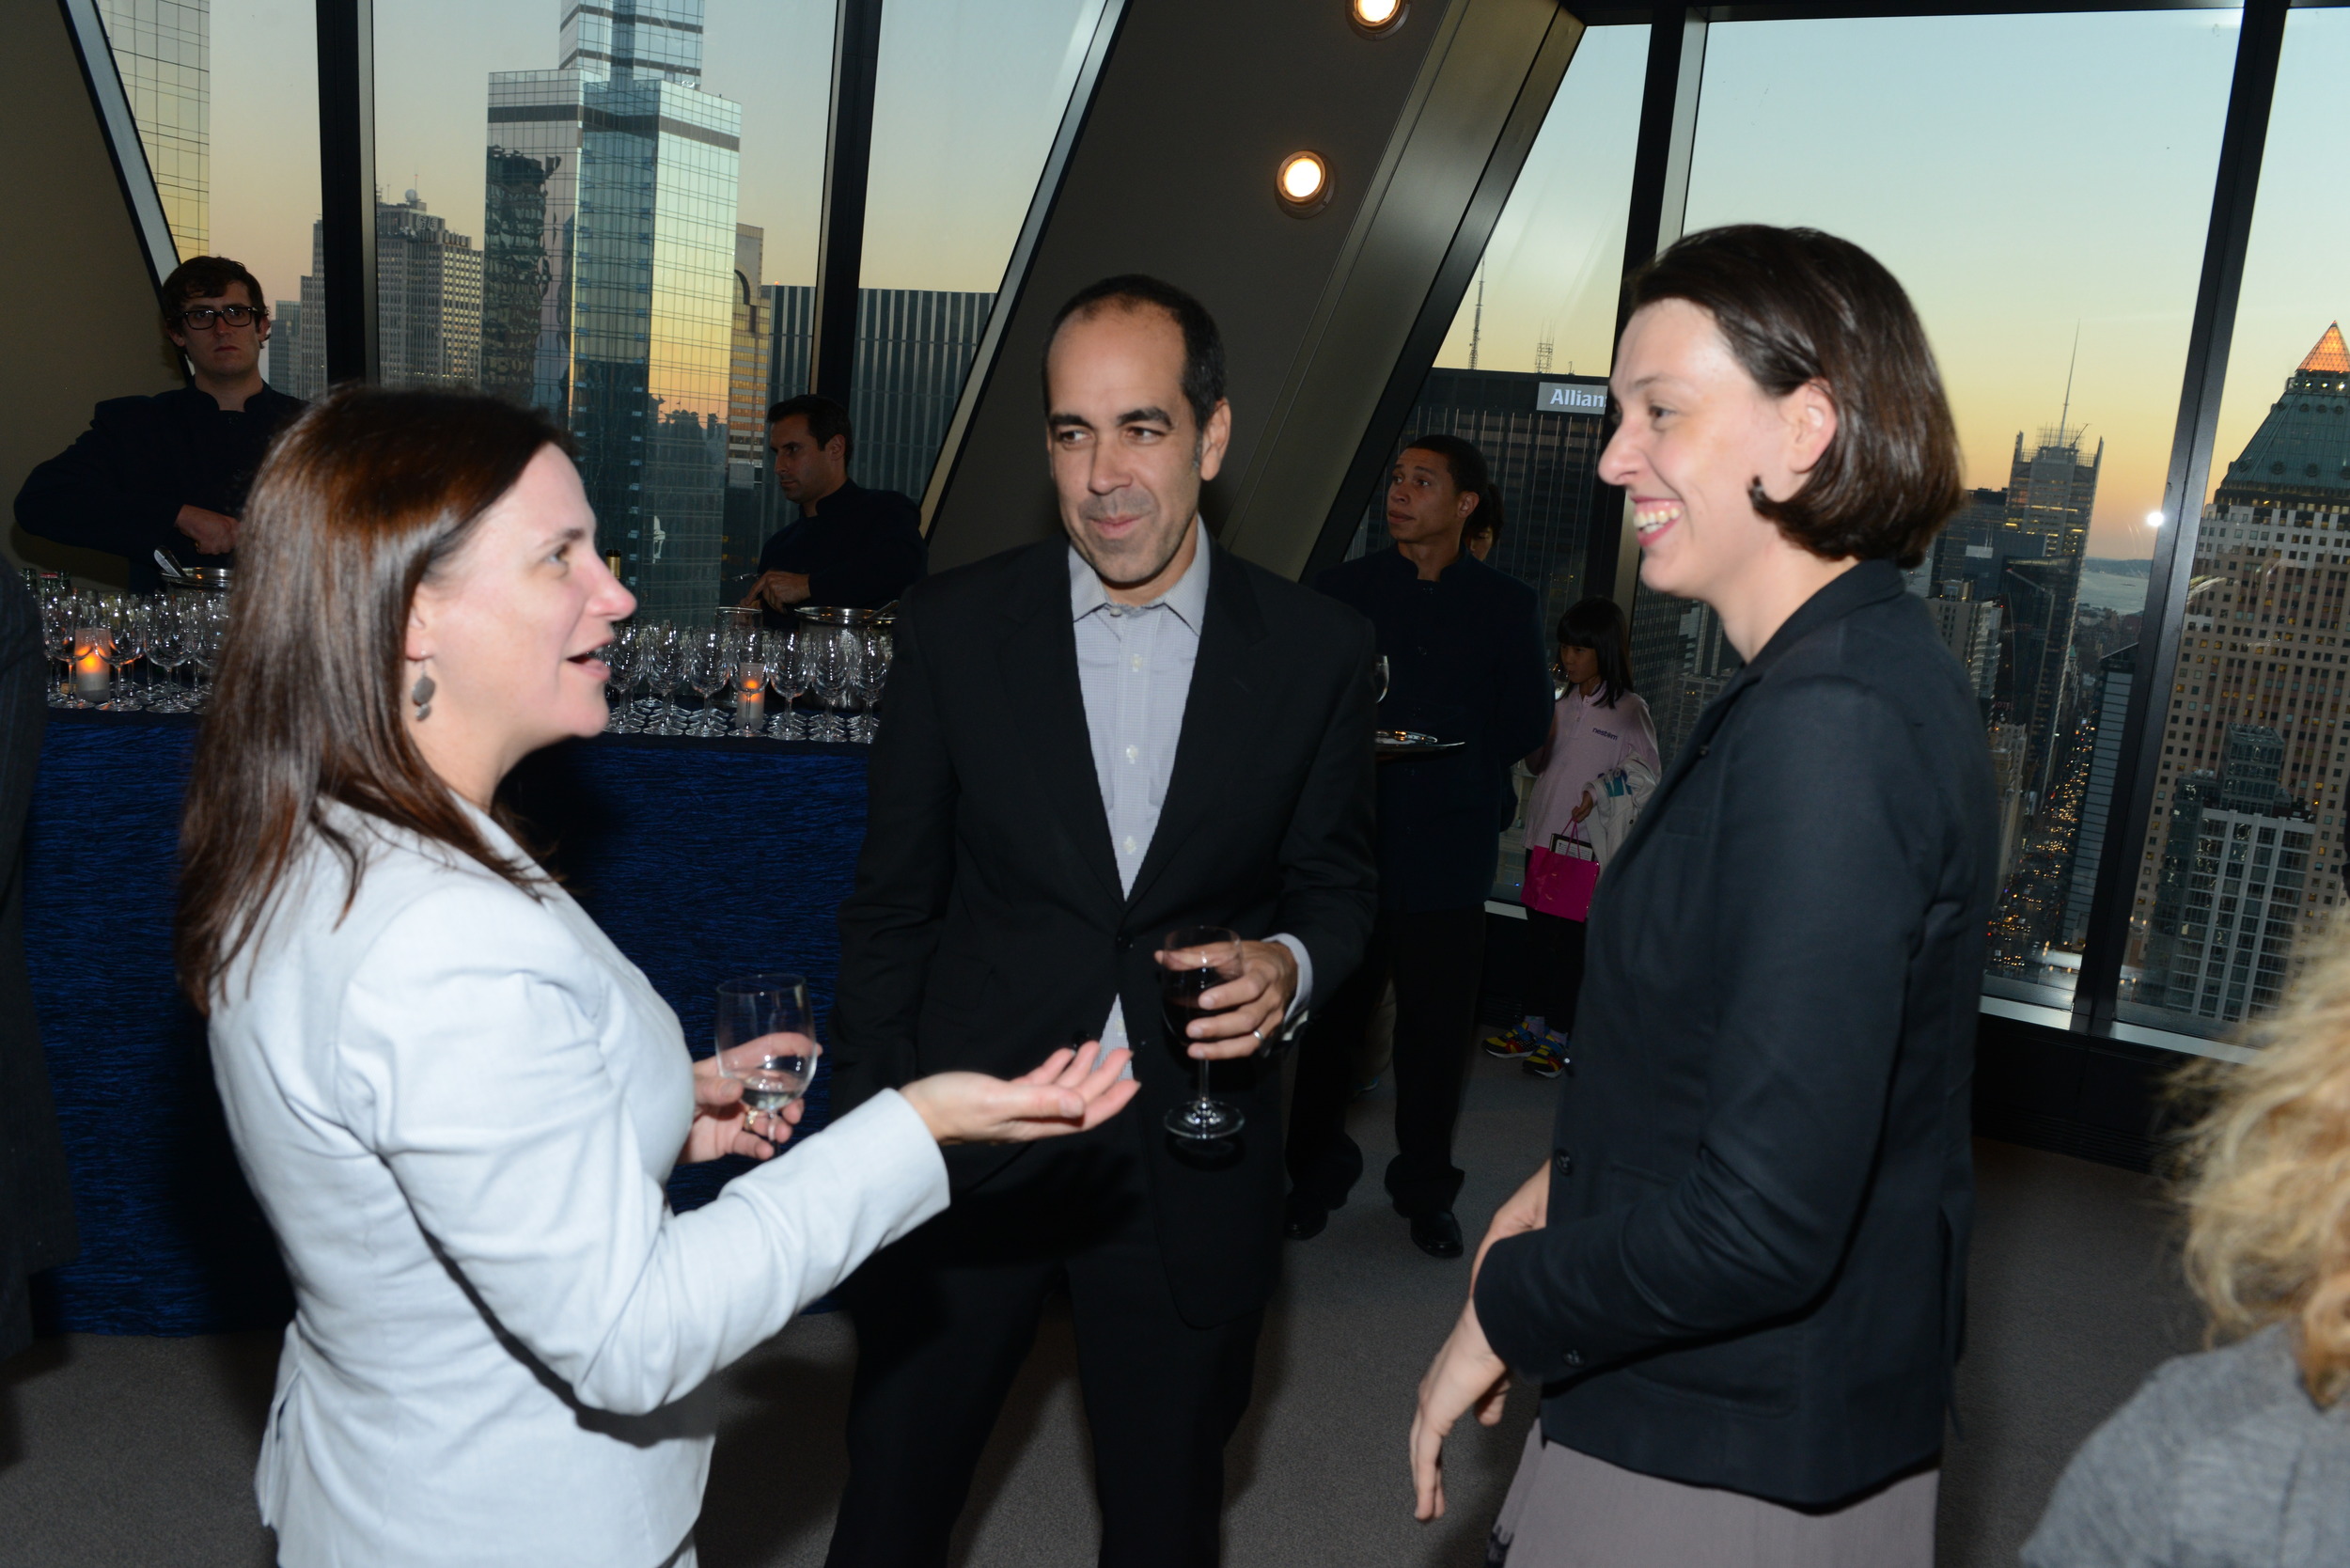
(1738,1277)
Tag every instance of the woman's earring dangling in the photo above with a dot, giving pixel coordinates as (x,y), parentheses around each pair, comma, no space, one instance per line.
(421,695)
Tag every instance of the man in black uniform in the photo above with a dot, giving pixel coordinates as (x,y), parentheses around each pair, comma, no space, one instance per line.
(170,472)
(851,546)
(1465,661)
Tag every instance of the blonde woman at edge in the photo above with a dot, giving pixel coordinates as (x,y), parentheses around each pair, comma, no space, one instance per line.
(2240,1456)
(456,1100)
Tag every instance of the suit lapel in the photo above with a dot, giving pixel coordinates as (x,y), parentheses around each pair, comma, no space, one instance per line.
(1212,736)
(1037,660)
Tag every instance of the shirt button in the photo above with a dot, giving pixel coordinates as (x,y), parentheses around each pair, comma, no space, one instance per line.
(1564,1162)
(1136,662)
(1574,1358)
(1133,752)
(1130,843)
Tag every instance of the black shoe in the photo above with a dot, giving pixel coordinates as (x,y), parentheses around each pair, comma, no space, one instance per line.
(1303,1221)
(1437,1234)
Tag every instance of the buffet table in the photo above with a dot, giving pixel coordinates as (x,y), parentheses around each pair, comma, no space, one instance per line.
(702,858)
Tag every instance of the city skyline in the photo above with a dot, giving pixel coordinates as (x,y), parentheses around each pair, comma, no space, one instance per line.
(2018,196)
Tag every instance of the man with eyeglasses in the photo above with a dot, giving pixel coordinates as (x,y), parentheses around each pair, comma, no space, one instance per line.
(170,472)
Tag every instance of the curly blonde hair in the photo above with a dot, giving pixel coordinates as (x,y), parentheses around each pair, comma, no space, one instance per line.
(2266,1175)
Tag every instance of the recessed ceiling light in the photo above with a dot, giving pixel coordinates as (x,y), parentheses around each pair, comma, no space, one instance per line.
(1376,18)
(1302,183)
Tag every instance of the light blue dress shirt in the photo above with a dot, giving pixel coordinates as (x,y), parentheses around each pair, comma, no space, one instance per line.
(1133,666)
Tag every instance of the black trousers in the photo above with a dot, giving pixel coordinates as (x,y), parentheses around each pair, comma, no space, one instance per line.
(946,1317)
(1436,959)
(1554,968)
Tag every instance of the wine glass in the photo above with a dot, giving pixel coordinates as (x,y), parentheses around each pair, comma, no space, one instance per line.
(875,650)
(665,667)
(167,651)
(1195,960)
(59,615)
(706,669)
(766,1040)
(125,642)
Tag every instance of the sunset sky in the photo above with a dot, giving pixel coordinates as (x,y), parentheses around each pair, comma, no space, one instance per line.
(2024,177)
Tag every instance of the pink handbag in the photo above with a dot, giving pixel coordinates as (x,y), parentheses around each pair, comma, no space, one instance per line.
(1559,880)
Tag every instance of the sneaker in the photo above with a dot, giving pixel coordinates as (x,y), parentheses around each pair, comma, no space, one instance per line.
(1548,1059)
(1518,1044)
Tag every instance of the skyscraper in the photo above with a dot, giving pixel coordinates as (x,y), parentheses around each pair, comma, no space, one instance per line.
(609,280)
(750,484)
(2262,648)
(914,347)
(427,289)
(428,293)
(163,50)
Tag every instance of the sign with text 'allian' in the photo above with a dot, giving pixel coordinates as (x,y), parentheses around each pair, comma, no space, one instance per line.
(1571,396)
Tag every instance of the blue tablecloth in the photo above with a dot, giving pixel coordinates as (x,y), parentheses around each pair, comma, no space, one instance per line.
(702,858)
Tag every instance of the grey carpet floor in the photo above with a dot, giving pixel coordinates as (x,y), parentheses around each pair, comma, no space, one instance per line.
(140,1451)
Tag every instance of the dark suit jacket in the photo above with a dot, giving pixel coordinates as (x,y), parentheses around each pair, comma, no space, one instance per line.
(36,1210)
(987,927)
(121,484)
(1760,1190)
(862,548)
(1464,662)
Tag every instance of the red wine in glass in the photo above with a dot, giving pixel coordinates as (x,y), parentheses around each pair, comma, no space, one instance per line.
(1195,960)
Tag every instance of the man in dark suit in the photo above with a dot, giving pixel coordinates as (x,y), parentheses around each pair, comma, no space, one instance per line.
(170,472)
(1189,744)
(852,546)
(35,1209)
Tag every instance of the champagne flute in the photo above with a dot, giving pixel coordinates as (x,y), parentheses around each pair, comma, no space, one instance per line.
(766,1041)
(1195,960)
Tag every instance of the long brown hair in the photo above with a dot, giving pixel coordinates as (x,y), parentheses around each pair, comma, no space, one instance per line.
(1797,306)
(364,496)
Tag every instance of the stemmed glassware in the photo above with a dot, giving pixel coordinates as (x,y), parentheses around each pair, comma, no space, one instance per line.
(706,669)
(60,616)
(125,641)
(665,667)
(167,651)
(874,651)
(1195,960)
(766,1040)
(787,677)
(204,635)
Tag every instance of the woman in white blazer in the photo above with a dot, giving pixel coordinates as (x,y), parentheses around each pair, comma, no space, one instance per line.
(455,1098)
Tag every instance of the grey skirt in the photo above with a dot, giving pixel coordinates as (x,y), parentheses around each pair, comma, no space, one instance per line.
(1567,1510)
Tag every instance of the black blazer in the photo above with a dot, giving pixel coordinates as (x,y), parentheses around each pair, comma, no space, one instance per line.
(987,927)
(36,1207)
(119,487)
(1761,1188)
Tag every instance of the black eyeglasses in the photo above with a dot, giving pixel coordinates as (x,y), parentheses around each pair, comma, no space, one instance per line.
(203,315)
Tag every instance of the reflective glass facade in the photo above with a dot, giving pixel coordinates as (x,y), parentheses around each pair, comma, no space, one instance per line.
(163,48)
(609,216)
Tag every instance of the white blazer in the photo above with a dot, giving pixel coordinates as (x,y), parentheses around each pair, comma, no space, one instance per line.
(456,1104)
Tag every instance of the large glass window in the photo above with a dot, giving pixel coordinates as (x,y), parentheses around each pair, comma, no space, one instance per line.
(229,85)
(592,211)
(2040,184)
(2243,859)
(968,98)
(1523,373)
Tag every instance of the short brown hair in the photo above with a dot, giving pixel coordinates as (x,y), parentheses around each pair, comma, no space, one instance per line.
(361,499)
(1798,307)
(205,277)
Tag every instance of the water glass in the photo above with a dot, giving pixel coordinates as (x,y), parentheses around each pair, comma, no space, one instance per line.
(765,1039)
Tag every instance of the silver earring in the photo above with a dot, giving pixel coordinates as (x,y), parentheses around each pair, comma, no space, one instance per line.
(421,695)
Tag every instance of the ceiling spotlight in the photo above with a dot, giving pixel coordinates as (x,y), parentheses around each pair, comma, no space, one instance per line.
(1375,19)
(1302,183)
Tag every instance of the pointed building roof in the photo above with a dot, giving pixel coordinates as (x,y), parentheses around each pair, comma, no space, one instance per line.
(2301,453)
(2331,357)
